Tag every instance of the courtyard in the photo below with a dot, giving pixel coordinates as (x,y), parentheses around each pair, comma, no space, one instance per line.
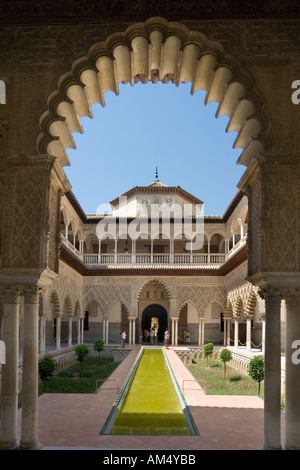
(74,421)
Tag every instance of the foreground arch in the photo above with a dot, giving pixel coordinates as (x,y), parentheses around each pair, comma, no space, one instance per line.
(34,181)
(156,50)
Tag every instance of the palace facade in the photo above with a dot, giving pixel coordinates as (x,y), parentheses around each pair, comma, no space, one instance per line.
(155,259)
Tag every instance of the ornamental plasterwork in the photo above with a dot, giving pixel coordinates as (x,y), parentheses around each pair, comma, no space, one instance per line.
(67,287)
(105,296)
(201,296)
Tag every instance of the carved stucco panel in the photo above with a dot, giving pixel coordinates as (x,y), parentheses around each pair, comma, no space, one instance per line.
(201,296)
(22,221)
(106,295)
(281,198)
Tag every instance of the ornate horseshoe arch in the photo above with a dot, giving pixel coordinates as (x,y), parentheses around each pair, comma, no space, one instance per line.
(156,50)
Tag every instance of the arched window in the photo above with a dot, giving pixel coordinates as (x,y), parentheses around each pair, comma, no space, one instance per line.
(2,92)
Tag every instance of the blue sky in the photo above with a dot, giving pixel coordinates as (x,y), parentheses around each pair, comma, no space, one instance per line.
(149,125)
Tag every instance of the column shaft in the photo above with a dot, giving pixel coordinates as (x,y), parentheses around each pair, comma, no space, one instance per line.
(236,333)
(58,331)
(29,438)
(248,334)
(272,381)
(9,379)
(78,330)
(70,332)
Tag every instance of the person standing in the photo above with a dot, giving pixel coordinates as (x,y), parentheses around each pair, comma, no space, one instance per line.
(123,338)
(151,335)
(155,335)
(188,337)
(166,338)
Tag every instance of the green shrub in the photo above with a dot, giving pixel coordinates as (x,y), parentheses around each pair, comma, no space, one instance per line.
(47,366)
(99,346)
(81,352)
(225,356)
(235,378)
(257,370)
(215,363)
(208,349)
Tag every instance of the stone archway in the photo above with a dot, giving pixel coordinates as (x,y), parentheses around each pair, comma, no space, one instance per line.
(34,182)
(156,50)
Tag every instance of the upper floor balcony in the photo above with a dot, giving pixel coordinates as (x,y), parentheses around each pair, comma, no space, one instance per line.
(150,253)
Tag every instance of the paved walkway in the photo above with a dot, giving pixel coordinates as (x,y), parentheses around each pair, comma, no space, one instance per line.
(224,422)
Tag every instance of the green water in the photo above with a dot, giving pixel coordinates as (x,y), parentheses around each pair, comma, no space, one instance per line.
(151,405)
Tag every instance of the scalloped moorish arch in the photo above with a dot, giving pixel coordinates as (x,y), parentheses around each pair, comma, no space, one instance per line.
(148,281)
(156,50)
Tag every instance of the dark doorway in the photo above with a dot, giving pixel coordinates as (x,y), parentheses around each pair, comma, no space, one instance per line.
(86,321)
(159,313)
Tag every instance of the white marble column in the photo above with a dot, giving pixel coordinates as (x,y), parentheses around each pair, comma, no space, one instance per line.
(81,330)
(70,332)
(43,319)
(175,331)
(172,331)
(226,331)
(133,330)
(201,331)
(9,379)
(263,332)
(29,439)
(272,380)
(103,330)
(58,331)
(106,331)
(130,331)
(78,330)
(292,372)
(236,333)
(248,333)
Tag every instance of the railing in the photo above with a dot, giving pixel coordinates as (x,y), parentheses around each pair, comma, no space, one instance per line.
(104,259)
(142,259)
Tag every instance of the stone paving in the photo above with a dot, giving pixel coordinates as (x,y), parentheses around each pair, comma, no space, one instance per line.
(74,421)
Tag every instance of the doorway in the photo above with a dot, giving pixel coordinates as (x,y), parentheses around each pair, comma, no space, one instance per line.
(155,316)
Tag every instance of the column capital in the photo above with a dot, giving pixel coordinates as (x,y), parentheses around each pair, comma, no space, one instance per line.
(31,294)
(10,295)
(291,296)
(227,317)
(271,294)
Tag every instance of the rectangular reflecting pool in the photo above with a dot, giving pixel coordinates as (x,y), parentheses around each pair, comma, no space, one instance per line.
(150,402)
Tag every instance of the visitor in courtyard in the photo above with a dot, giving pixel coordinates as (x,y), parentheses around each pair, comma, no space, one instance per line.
(123,338)
(151,335)
(187,336)
(155,335)
(146,336)
(166,338)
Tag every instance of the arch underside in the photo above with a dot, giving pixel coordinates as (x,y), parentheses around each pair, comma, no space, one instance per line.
(156,50)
